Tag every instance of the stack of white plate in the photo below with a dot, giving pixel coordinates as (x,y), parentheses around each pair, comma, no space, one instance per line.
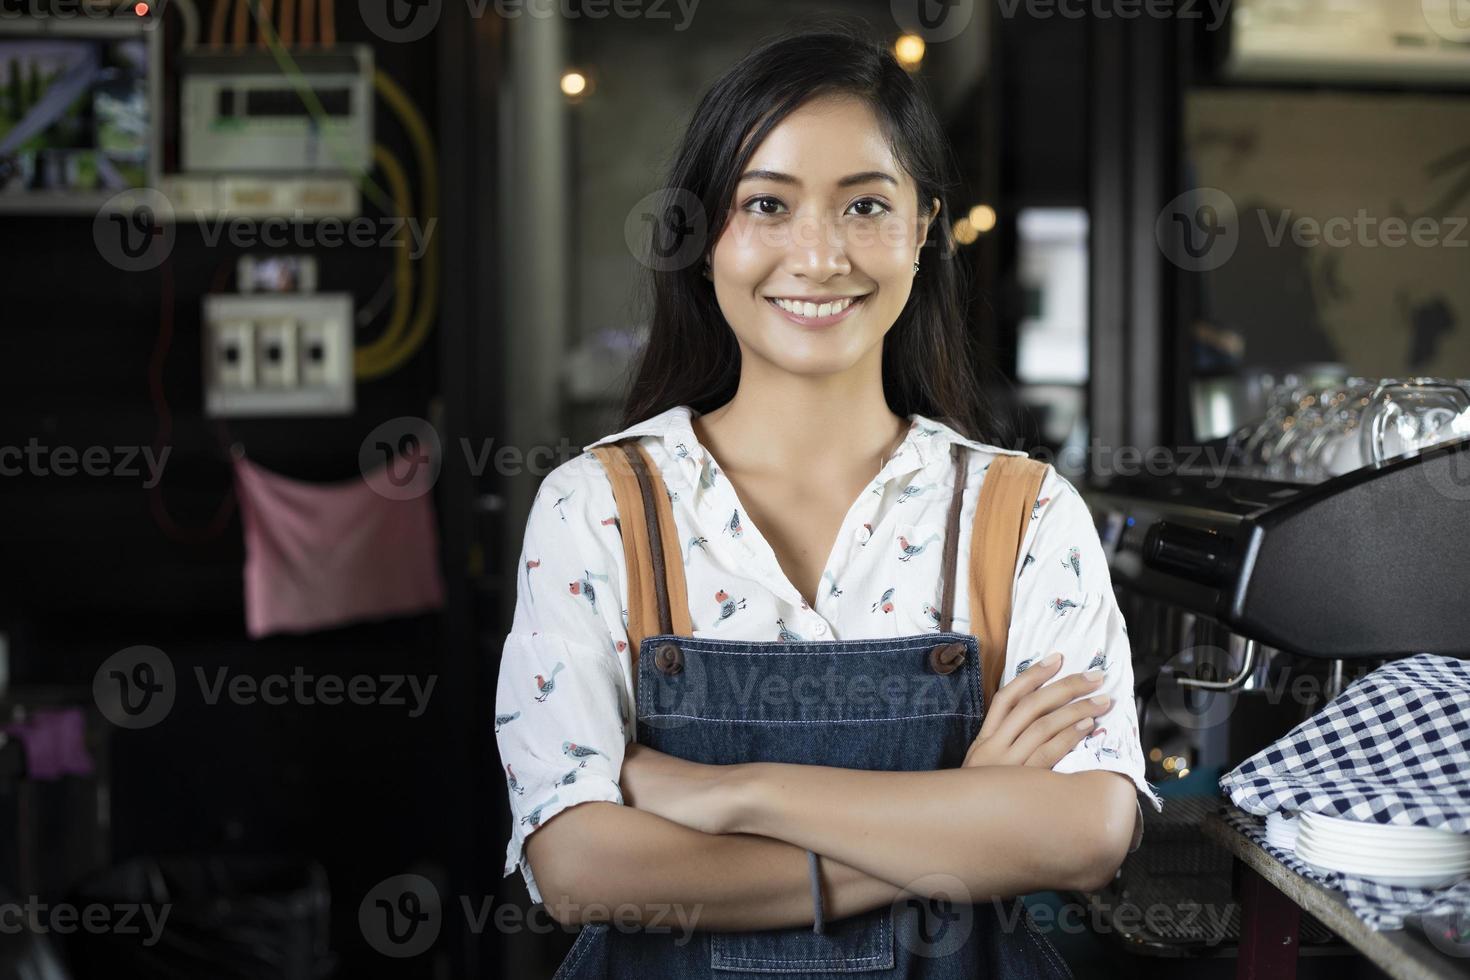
(1415,857)
(1281,830)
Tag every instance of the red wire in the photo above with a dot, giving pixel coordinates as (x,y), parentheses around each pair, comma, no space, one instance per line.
(165,429)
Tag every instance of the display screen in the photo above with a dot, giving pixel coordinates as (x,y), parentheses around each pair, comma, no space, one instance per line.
(74,114)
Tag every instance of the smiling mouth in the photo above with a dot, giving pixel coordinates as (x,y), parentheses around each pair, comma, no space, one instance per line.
(816,314)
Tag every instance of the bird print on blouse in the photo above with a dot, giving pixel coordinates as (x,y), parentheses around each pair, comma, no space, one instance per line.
(830,577)
(910,550)
(548,684)
(728,606)
(786,635)
(563,742)
(584,588)
(1074,562)
(698,541)
(533,817)
(580,752)
(1061,606)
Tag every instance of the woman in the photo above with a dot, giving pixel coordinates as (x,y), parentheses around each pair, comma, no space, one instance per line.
(807,405)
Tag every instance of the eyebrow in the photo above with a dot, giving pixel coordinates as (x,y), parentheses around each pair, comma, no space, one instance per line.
(848,181)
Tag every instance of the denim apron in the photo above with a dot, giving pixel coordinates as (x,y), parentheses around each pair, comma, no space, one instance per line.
(908,703)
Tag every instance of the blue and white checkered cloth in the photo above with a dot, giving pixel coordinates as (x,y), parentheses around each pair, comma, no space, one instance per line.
(1393,748)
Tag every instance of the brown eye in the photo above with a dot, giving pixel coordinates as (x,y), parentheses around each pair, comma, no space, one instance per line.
(879,208)
(757,204)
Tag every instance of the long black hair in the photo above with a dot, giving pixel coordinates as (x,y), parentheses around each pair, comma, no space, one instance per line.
(692,356)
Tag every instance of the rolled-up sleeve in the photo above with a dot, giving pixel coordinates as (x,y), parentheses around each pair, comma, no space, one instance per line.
(561,704)
(1064,601)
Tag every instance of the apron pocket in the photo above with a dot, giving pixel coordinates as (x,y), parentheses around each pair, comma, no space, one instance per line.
(855,944)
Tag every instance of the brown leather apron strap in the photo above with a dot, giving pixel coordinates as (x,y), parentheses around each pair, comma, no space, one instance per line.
(658,602)
(1002,516)
(952,538)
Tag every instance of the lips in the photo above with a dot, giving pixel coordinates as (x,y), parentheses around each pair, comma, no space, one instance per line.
(816,314)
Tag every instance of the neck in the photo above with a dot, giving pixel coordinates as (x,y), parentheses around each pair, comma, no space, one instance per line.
(791,423)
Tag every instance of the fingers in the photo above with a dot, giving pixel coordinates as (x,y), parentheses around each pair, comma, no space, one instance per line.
(1023,684)
(1061,729)
(1042,701)
(1050,752)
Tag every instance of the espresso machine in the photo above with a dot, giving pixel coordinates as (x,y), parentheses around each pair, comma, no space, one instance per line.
(1250,604)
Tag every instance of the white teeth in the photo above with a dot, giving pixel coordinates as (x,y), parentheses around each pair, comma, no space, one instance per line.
(812,309)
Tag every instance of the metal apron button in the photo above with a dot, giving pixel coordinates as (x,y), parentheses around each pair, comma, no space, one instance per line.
(668,658)
(947,658)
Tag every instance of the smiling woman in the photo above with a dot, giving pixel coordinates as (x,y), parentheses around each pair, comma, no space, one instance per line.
(794,616)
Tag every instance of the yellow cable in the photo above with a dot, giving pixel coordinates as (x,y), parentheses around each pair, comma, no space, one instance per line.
(402,267)
(386,354)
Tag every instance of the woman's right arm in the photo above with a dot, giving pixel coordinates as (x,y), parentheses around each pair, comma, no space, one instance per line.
(563,715)
(593,859)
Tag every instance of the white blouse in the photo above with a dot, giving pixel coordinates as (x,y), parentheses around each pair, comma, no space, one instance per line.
(565,689)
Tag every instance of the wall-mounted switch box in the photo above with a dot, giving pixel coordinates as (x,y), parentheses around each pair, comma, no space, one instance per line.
(278,354)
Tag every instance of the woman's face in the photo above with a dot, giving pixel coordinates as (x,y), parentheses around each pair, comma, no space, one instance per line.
(824,223)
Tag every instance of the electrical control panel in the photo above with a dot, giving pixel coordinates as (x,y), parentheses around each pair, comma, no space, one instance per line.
(240,113)
(278,354)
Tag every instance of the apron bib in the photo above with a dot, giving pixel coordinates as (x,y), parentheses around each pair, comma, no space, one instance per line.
(905,703)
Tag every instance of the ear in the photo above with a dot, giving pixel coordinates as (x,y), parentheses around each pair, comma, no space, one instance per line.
(929,217)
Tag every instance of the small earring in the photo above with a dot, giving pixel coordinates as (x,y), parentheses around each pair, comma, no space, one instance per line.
(916,265)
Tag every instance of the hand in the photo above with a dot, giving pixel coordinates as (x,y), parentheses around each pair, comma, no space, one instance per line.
(1031,725)
(697,795)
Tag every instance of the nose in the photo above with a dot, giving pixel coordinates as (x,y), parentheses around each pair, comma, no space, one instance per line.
(817,249)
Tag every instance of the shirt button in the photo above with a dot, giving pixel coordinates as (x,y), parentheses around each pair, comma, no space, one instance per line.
(819,627)
(862,535)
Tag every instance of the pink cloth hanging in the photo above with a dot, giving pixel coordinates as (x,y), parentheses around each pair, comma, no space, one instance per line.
(323,555)
(55,743)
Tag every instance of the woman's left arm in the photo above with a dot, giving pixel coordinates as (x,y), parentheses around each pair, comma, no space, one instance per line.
(1026,828)
(998,830)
